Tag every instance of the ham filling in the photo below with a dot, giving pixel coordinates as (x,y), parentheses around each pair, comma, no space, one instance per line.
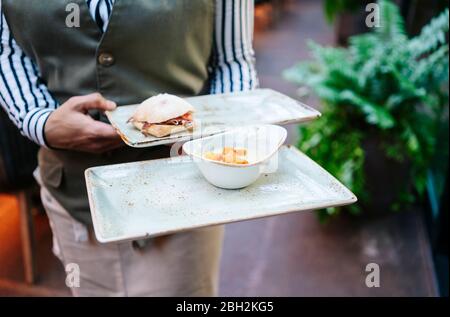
(184,120)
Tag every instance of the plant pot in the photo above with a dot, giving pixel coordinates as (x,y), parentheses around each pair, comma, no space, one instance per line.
(349,24)
(385,178)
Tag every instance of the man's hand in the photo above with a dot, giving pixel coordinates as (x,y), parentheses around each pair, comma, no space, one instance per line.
(70,127)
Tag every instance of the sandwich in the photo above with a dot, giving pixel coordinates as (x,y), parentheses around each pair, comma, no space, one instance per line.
(163,115)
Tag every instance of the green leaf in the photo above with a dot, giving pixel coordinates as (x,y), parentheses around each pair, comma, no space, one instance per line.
(334,7)
(392,24)
(375,114)
(431,36)
(429,66)
(330,9)
(308,74)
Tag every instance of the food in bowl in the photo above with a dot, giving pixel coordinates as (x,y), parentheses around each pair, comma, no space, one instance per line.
(162,115)
(260,142)
(228,155)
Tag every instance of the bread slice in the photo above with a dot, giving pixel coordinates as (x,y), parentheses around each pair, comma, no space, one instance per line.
(161,108)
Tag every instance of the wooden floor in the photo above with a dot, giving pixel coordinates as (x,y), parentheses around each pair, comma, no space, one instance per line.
(292,255)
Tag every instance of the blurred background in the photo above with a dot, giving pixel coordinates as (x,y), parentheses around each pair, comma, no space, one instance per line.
(383,92)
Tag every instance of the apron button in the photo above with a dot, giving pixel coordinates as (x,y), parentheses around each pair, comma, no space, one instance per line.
(106,59)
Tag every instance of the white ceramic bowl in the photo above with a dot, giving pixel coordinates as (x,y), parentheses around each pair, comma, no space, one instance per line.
(261,141)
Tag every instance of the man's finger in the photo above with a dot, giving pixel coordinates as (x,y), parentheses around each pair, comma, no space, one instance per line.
(93,101)
(103,130)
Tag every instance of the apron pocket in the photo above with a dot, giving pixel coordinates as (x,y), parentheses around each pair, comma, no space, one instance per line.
(51,170)
(52,175)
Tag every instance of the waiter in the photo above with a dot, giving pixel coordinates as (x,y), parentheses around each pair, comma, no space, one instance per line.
(56,80)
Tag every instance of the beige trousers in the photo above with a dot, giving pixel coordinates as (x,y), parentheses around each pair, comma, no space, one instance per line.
(183,264)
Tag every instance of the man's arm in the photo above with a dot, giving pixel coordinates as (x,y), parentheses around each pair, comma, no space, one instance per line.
(22,94)
(232,65)
(37,114)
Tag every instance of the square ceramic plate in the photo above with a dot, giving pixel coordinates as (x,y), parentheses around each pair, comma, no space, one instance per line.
(151,198)
(216,113)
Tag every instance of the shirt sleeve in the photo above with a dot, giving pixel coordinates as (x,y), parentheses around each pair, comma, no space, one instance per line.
(23,95)
(232,66)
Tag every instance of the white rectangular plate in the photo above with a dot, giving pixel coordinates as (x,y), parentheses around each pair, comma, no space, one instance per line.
(157,197)
(216,113)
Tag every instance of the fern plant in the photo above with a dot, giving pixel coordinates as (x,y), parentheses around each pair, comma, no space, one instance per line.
(383,84)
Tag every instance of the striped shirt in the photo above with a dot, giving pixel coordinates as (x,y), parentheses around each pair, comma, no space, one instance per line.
(28,102)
